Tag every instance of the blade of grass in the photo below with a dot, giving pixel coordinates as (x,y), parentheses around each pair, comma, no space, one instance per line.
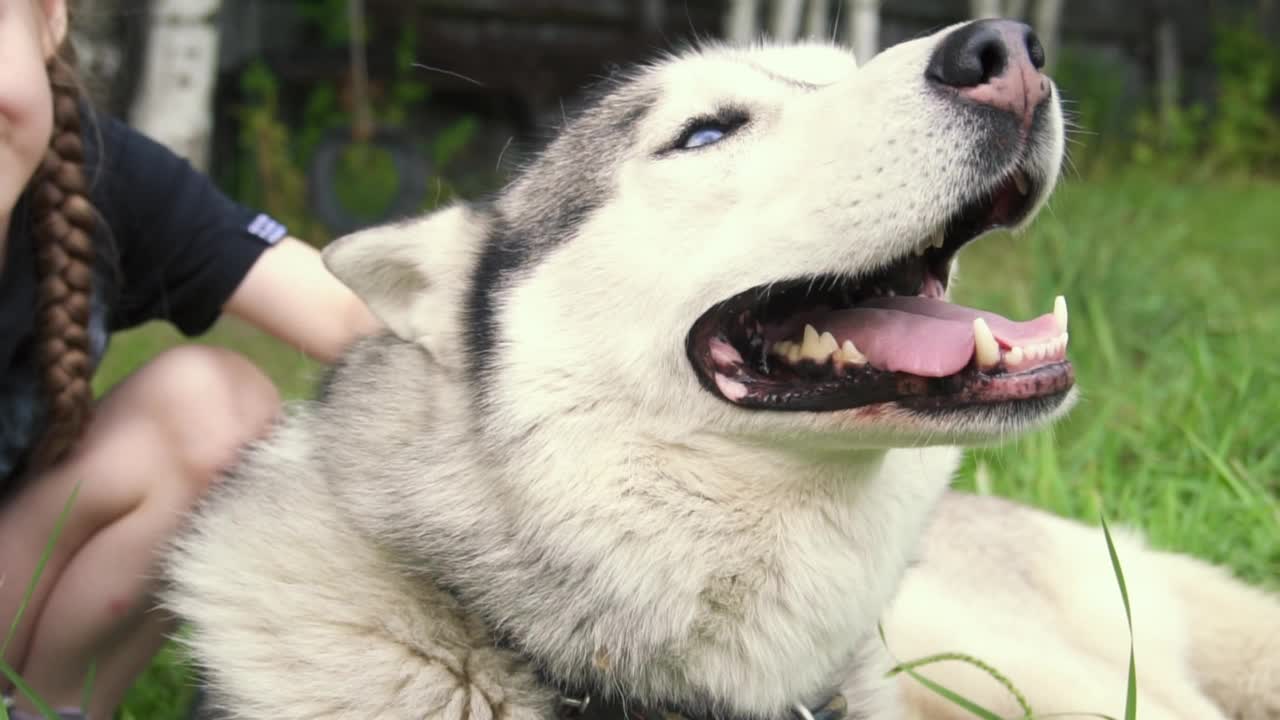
(954,698)
(908,667)
(26,690)
(89,681)
(1097,715)
(1131,698)
(1103,336)
(1229,477)
(949,695)
(44,559)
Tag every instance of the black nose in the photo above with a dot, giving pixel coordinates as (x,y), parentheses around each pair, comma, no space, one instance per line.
(983,50)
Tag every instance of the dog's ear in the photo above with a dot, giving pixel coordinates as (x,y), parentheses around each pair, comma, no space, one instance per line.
(413,275)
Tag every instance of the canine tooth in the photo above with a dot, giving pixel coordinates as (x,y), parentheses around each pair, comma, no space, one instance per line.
(1060,312)
(1013,357)
(986,351)
(850,353)
(813,347)
(1020,180)
(828,343)
(938,239)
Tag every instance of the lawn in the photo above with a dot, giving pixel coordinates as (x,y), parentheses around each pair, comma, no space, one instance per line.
(1175,332)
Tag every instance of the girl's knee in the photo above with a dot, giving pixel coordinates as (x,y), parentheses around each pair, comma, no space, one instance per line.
(208,403)
(159,438)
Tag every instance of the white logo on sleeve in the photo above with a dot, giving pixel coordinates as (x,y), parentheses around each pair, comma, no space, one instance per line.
(266,227)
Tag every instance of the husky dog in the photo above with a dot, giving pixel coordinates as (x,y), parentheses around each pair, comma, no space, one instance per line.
(660,429)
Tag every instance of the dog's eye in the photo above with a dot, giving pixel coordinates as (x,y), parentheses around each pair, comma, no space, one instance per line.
(703,136)
(709,130)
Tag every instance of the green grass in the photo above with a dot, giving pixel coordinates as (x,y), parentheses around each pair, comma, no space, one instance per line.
(1175,333)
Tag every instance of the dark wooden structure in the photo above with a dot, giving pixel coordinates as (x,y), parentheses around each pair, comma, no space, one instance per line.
(513,62)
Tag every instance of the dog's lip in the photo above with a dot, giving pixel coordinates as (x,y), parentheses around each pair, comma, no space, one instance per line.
(954,356)
(968,388)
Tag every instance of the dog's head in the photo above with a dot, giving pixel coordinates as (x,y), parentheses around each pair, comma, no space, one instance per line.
(753,241)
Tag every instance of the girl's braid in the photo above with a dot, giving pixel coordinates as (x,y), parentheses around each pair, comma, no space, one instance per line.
(63,229)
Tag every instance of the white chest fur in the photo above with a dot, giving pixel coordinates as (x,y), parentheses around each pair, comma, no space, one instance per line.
(758,595)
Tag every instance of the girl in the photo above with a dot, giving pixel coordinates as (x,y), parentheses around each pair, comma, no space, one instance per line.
(102,229)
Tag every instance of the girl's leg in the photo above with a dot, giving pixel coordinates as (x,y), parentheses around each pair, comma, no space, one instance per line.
(156,443)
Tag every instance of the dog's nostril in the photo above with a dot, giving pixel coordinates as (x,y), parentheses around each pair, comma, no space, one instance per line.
(992,58)
(1035,50)
(981,51)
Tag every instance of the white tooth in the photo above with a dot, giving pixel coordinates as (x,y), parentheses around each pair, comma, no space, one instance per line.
(828,344)
(1020,180)
(781,347)
(1060,312)
(1038,351)
(1013,358)
(793,353)
(938,238)
(812,346)
(986,351)
(851,354)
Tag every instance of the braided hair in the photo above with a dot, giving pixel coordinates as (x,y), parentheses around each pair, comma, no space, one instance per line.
(63,230)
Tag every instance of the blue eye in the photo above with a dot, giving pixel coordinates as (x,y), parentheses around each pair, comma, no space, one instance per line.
(703,136)
(708,129)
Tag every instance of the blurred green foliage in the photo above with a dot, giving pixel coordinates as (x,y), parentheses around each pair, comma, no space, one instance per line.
(1235,133)
(276,146)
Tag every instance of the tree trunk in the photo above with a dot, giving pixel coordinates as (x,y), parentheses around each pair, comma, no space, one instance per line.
(740,23)
(1015,9)
(653,13)
(1168,69)
(1047,22)
(818,19)
(786,19)
(864,29)
(175,101)
(109,37)
(984,8)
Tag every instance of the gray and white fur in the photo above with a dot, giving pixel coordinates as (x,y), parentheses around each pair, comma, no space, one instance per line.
(522,479)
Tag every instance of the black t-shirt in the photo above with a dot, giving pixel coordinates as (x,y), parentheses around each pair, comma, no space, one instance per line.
(168,244)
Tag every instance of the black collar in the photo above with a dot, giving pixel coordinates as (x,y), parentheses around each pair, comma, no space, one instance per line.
(581,706)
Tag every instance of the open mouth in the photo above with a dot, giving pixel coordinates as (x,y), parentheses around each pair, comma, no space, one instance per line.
(828,343)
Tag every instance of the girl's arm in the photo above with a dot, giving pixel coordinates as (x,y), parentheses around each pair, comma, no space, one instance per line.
(290,294)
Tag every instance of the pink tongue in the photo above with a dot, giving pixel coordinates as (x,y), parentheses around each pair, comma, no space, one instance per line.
(925,336)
